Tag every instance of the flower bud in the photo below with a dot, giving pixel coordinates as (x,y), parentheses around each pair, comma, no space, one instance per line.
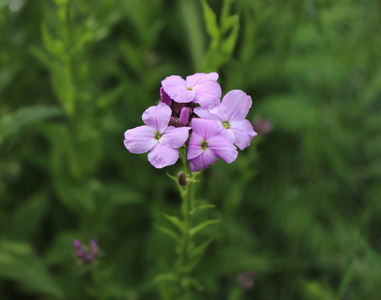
(181,178)
(184,115)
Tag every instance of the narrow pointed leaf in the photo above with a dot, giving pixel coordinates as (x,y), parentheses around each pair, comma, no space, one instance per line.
(201,226)
(168,232)
(201,207)
(175,221)
(211,23)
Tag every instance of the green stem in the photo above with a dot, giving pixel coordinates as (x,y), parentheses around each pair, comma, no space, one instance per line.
(187,206)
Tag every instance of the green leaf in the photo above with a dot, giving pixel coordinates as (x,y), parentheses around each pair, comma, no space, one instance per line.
(199,250)
(211,24)
(176,221)
(25,223)
(18,262)
(201,207)
(173,178)
(4,3)
(229,43)
(11,124)
(168,232)
(201,226)
(165,277)
(195,31)
(109,98)
(54,46)
(8,74)
(192,282)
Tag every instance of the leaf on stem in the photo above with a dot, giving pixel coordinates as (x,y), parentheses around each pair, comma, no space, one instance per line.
(169,232)
(211,24)
(165,277)
(176,221)
(201,207)
(201,226)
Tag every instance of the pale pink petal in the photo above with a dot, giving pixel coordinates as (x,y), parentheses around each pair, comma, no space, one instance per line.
(223,148)
(207,93)
(157,116)
(140,139)
(207,113)
(205,128)
(164,97)
(176,88)
(236,105)
(228,133)
(200,78)
(202,161)
(175,137)
(184,115)
(161,156)
(194,146)
(243,133)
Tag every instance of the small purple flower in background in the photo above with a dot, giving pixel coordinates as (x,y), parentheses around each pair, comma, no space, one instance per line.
(157,137)
(262,125)
(230,115)
(200,88)
(207,143)
(86,255)
(246,280)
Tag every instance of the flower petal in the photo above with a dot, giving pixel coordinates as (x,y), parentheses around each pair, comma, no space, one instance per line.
(207,113)
(199,78)
(202,161)
(176,88)
(164,97)
(243,133)
(161,156)
(207,93)
(194,146)
(140,139)
(236,105)
(228,133)
(205,128)
(223,148)
(175,137)
(157,116)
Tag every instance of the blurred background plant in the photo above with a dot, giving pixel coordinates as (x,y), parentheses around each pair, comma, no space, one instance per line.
(301,206)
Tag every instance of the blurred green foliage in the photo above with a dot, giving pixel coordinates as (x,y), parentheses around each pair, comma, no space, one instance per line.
(301,207)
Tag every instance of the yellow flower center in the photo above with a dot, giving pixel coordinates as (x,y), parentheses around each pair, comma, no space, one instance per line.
(157,135)
(226,124)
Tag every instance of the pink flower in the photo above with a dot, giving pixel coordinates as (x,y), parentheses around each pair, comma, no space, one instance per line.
(200,88)
(230,116)
(206,144)
(157,137)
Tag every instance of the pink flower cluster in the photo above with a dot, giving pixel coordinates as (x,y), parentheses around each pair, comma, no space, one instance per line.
(192,107)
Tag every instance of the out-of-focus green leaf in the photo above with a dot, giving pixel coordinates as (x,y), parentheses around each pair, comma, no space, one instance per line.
(4,3)
(175,221)
(168,232)
(18,262)
(11,124)
(211,24)
(201,226)
(230,41)
(25,223)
